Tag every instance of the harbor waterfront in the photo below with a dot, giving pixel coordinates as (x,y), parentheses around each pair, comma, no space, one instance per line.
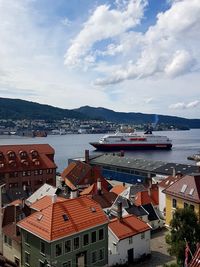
(185,143)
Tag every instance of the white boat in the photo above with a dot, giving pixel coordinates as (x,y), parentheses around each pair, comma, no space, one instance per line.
(132,141)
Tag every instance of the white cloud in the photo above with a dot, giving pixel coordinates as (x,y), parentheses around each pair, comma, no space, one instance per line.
(148,100)
(182,105)
(104,23)
(169,48)
(181,63)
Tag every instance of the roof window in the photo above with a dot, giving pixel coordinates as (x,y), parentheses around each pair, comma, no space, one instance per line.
(65,217)
(191,191)
(93,209)
(34,154)
(39,217)
(23,154)
(11,154)
(183,188)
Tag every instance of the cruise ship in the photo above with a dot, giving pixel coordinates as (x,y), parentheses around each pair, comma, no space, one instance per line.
(132,141)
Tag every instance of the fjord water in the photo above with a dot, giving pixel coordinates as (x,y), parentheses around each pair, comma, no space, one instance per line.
(185,143)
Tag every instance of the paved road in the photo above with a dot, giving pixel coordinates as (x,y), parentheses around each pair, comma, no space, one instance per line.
(159,254)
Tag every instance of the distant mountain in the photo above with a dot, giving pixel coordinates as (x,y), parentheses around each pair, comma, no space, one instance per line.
(21,109)
(137,118)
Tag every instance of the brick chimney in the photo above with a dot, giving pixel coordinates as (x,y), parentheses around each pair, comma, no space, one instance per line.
(54,198)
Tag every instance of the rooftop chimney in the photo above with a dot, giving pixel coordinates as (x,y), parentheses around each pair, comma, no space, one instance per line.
(124,184)
(119,210)
(99,186)
(74,194)
(173,172)
(122,153)
(87,157)
(54,198)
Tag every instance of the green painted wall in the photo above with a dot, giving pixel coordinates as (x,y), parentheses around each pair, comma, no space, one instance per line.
(35,256)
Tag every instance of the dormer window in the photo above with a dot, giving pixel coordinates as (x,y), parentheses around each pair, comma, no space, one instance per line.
(1,156)
(11,155)
(23,154)
(34,154)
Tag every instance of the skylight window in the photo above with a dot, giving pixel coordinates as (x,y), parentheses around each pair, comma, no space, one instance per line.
(93,209)
(65,218)
(191,191)
(39,217)
(183,188)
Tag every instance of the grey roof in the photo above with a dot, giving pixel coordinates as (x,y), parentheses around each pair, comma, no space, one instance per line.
(44,190)
(160,167)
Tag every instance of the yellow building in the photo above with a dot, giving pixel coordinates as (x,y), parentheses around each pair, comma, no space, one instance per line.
(184,192)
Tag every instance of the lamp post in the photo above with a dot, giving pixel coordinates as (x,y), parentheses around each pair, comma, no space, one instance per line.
(1,238)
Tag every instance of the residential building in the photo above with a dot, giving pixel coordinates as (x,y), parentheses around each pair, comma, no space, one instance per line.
(13,213)
(129,240)
(80,175)
(162,197)
(24,168)
(182,193)
(66,233)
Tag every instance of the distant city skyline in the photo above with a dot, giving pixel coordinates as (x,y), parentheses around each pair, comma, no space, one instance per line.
(124,55)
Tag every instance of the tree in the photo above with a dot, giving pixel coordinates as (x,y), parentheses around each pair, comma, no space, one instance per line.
(184,227)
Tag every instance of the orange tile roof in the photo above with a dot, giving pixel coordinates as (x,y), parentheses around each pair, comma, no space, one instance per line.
(118,189)
(81,213)
(92,189)
(128,226)
(44,202)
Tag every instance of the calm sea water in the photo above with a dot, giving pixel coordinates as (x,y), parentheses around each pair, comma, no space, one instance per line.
(185,143)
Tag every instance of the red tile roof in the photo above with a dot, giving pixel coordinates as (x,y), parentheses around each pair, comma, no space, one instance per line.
(64,218)
(142,198)
(118,189)
(43,160)
(80,174)
(127,227)
(44,202)
(187,187)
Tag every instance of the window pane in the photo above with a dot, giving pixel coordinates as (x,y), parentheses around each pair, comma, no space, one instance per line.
(101,254)
(94,256)
(76,242)
(94,237)
(58,250)
(27,257)
(85,239)
(67,246)
(101,234)
(42,247)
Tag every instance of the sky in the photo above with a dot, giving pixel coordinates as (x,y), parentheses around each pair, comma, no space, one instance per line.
(124,55)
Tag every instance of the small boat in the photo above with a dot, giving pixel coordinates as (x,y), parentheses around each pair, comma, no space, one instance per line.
(195,157)
(132,141)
